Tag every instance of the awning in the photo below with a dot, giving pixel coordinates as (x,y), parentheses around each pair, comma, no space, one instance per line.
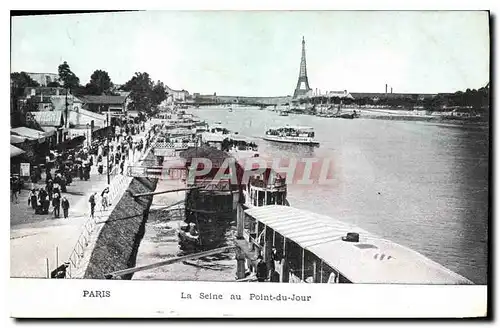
(29,133)
(14,151)
(14,139)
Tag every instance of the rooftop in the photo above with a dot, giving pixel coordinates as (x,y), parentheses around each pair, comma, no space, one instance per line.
(371,260)
(48,118)
(103,100)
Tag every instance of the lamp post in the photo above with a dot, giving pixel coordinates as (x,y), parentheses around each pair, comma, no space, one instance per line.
(88,138)
(107,153)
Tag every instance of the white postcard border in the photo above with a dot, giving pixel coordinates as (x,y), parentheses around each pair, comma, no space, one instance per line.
(46,298)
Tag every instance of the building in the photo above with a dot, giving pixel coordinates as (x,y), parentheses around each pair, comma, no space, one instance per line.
(44,78)
(99,104)
(177,95)
(375,96)
(82,122)
(53,123)
(50,98)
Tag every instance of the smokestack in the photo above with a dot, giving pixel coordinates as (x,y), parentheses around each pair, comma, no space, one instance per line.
(386,88)
(391,89)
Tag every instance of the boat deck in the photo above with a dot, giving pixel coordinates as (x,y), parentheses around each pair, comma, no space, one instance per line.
(371,260)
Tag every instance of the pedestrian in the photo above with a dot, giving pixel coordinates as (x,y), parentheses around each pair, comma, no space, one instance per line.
(86,171)
(32,199)
(65,206)
(92,204)
(275,259)
(50,189)
(69,179)
(48,175)
(56,203)
(14,188)
(261,269)
(57,189)
(104,199)
(122,164)
(80,171)
(42,195)
(45,206)
(100,167)
(64,183)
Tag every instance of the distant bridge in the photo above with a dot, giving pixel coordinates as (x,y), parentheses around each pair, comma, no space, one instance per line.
(249,101)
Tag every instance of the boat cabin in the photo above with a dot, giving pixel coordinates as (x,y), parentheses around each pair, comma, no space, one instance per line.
(292,131)
(268,188)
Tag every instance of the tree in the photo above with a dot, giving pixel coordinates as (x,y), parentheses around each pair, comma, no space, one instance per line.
(18,82)
(22,80)
(159,93)
(141,93)
(100,83)
(69,79)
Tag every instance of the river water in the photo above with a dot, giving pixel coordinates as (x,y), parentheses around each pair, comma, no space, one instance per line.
(420,184)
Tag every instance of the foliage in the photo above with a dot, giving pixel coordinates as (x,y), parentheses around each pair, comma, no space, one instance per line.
(19,81)
(69,79)
(475,100)
(100,83)
(159,93)
(145,95)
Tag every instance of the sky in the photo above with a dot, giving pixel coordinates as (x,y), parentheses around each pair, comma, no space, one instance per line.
(258,53)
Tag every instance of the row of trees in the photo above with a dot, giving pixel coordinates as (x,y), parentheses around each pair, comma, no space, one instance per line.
(476,100)
(99,84)
(146,95)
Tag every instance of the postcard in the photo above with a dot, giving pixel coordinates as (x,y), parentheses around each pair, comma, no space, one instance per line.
(319,164)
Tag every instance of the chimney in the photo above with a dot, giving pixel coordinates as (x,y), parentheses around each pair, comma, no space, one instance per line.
(391,89)
(386,88)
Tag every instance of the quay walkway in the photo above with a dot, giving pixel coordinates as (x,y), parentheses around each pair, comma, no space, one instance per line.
(41,243)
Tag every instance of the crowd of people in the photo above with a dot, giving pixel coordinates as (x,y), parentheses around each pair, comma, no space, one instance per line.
(62,167)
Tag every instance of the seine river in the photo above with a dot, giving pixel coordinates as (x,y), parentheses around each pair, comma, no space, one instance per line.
(421,184)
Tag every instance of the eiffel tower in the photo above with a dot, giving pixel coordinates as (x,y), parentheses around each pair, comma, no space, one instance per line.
(303,83)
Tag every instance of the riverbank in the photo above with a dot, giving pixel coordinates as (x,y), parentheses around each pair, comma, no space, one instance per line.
(160,242)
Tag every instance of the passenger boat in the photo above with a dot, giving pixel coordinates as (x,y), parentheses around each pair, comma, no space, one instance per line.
(301,246)
(266,188)
(303,135)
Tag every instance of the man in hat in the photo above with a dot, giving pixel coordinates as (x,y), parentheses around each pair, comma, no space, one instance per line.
(56,203)
(65,206)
